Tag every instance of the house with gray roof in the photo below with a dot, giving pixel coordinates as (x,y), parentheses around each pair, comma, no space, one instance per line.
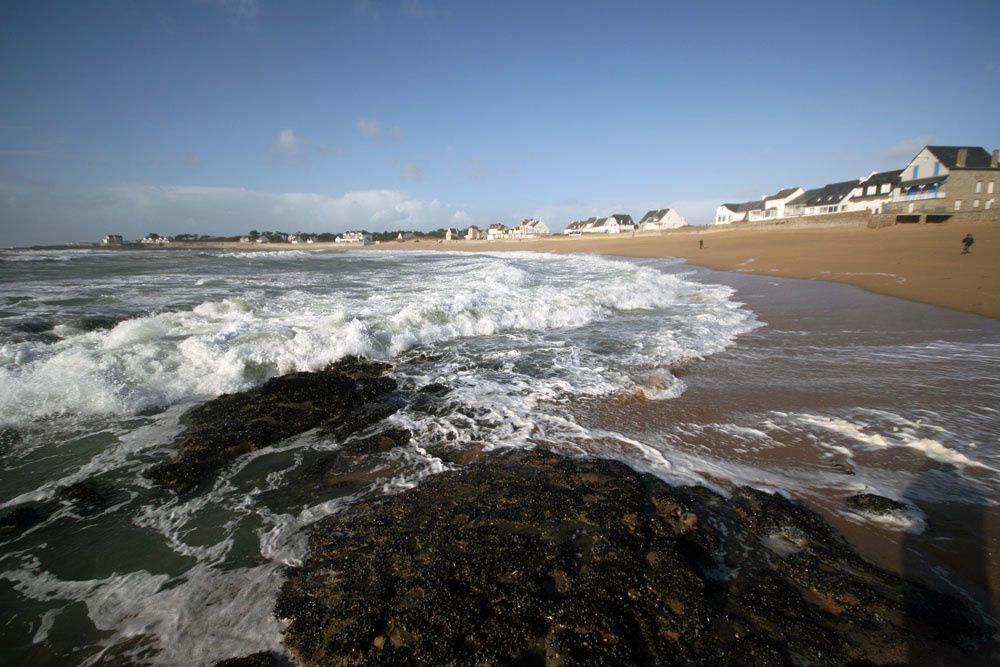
(774,205)
(729,213)
(874,193)
(531,228)
(660,219)
(942,180)
(831,198)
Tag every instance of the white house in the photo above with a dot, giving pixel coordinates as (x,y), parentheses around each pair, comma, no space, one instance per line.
(578,227)
(404,236)
(875,192)
(262,239)
(473,233)
(451,234)
(831,198)
(663,218)
(774,205)
(616,224)
(531,228)
(497,231)
(354,237)
(246,239)
(294,238)
(112,239)
(729,213)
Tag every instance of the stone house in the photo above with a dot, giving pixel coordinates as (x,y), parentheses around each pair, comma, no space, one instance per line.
(942,180)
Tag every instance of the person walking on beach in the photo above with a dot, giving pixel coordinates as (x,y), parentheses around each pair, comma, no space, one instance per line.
(701,243)
(967,243)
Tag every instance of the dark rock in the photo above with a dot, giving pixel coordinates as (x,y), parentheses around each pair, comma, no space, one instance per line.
(88,497)
(262,659)
(97,322)
(531,558)
(434,388)
(344,398)
(8,438)
(22,518)
(378,443)
(874,504)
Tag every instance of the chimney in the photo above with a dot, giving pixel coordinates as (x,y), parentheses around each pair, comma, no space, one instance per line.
(963,153)
(993,160)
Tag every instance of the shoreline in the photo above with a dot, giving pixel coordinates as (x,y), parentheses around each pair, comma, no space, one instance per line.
(915,262)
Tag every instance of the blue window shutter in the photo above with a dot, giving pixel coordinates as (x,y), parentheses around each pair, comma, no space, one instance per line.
(916,170)
(937,168)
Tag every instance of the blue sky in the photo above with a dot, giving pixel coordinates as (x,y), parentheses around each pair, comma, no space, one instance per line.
(218,116)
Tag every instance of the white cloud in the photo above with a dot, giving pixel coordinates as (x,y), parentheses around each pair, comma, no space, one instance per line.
(36,216)
(905,149)
(461,218)
(372,128)
(287,144)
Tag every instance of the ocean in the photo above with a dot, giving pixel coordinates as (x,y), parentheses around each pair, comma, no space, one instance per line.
(812,390)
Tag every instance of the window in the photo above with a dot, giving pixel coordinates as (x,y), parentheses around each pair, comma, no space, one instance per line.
(937,168)
(979,187)
(975,203)
(885,188)
(989,203)
(870,190)
(989,187)
(958,204)
(916,170)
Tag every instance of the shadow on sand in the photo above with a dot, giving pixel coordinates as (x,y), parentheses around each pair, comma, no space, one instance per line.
(957,535)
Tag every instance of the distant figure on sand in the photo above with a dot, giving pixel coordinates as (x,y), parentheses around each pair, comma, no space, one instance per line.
(967,243)
(701,243)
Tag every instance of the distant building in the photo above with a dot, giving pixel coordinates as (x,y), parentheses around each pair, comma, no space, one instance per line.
(613,224)
(113,239)
(579,227)
(945,179)
(451,235)
(531,228)
(404,236)
(359,238)
(262,239)
(293,238)
(497,231)
(729,213)
(874,193)
(473,233)
(246,239)
(774,205)
(831,198)
(663,218)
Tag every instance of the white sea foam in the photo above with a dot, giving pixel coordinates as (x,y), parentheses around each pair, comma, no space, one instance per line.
(231,343)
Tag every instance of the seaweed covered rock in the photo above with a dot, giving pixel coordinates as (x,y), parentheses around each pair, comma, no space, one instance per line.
(344,398)
(871,503)
(532,558)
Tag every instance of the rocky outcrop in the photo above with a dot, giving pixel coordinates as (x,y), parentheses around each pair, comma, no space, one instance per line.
(869,503)
(342,399)
(531,558)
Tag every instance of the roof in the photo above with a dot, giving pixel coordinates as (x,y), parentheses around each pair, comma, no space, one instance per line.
(832,193)
(755,205)
(977,157)
(620,218)
(655,216)
(497,225)
(781,194)
(880,177)
(940,178)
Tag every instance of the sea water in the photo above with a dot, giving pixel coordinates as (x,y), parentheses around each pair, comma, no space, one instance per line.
(102,352)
